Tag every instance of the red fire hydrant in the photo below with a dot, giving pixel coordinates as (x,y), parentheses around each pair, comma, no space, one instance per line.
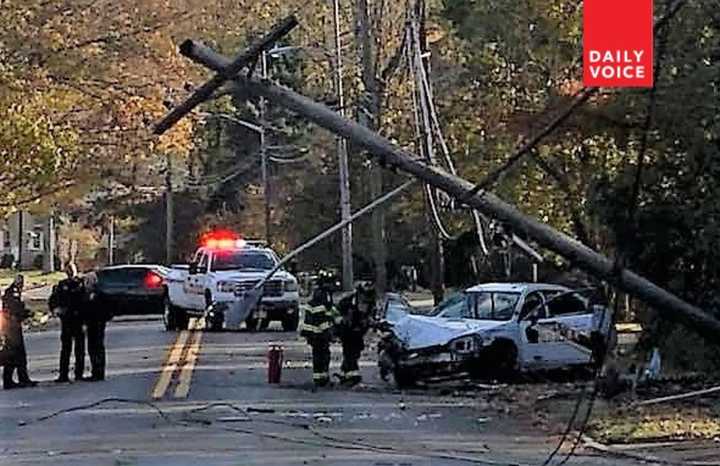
(275,362)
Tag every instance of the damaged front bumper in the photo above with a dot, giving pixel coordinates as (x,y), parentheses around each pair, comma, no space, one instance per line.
(466,355)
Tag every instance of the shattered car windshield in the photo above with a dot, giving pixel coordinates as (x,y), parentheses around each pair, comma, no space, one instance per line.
(453,307)
(234,260)
(495,305)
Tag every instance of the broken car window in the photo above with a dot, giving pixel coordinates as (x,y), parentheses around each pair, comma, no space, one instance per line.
(533,306)
(495,305)
(565,303)
(455,308)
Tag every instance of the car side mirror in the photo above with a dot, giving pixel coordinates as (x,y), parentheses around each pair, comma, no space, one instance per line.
(193,268)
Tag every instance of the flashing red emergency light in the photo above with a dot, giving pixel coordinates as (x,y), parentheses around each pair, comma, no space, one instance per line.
(222,239)
(153,280)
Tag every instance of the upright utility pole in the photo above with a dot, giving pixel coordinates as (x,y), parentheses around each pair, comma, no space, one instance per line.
(49,265)
(367,116)
(263,153)
(422,69)
(111,241)
(21,236)
(169,211)
(343,169)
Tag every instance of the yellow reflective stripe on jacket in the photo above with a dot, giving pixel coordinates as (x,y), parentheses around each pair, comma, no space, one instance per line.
(324,326)
(315,309)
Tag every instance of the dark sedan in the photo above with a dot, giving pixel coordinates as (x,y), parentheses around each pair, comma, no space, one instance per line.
(131,289)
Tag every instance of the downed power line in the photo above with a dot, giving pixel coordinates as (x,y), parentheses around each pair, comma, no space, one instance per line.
(668,305)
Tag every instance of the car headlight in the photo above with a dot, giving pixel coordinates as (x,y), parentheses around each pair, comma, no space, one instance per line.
(466,345)
(291,285)
(226,287)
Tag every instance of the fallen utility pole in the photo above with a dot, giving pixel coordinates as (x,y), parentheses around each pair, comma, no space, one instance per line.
(667,304)
(247,57)
(251,298)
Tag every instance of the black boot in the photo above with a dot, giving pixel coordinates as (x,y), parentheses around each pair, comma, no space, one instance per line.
(24,378)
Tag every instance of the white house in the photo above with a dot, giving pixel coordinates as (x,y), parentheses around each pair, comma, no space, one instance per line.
(25,238)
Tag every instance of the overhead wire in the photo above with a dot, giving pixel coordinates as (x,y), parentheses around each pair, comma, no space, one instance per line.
(671,9)
(324,440)
(420,79)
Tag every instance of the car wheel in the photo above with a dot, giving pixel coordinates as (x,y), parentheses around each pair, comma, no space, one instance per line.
(290,323)
(183,320)
(169,315)
(214,326)
(263,324)
(404,378)
(505,355)
(251,324)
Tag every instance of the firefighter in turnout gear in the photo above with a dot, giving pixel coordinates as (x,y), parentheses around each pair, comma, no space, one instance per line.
(318,326)
(356,310)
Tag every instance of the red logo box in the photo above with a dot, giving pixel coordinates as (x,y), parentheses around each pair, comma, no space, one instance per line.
(618,43)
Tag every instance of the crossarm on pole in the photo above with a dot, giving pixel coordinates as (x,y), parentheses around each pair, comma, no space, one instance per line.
(231,68)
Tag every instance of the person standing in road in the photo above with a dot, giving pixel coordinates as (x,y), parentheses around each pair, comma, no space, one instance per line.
(317,327)
(67,301)
(15,313)
(95,317)
(356,310)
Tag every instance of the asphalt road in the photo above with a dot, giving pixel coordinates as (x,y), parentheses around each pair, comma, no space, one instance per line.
(202,398)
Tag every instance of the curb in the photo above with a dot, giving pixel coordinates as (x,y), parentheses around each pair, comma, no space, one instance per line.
(593,444)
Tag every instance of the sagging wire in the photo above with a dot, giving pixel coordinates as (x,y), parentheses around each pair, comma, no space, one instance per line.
(101,402)
(414,61)
(599,364)
(325,441)
(671,9)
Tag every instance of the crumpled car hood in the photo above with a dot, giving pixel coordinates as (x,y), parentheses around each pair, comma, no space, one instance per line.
(420,331)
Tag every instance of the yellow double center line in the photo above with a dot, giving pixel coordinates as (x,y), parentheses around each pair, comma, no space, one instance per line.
(182,357)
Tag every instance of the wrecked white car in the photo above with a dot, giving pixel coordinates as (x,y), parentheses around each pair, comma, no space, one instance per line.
(495,329)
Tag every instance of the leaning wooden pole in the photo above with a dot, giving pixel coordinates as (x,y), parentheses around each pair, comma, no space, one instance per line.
(233,67)
(667,304)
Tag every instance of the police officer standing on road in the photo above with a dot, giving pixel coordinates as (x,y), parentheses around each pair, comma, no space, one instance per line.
(317,327)
(66,301)
(15,312)
(95,317)
(356,310)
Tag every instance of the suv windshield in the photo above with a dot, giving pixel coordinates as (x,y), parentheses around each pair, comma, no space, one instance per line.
(495,305)
(234,260)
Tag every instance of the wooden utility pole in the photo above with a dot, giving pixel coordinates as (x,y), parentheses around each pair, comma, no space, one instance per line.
(367,116)
(668,305)
(264,161)
(49,265)
(421,67)
(21,236)
(169,211)
(343,169)
(111,241)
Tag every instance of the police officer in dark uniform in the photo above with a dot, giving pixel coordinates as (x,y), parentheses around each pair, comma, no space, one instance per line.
(15,312)
(356,310)
(95,317)
(67,301)
(318,328)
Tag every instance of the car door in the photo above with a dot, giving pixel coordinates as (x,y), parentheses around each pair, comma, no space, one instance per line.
(535,352)
(195,283)
(572,320)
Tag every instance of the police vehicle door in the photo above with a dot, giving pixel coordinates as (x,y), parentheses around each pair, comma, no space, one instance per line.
(195,283)
(572,320)
(533,347)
